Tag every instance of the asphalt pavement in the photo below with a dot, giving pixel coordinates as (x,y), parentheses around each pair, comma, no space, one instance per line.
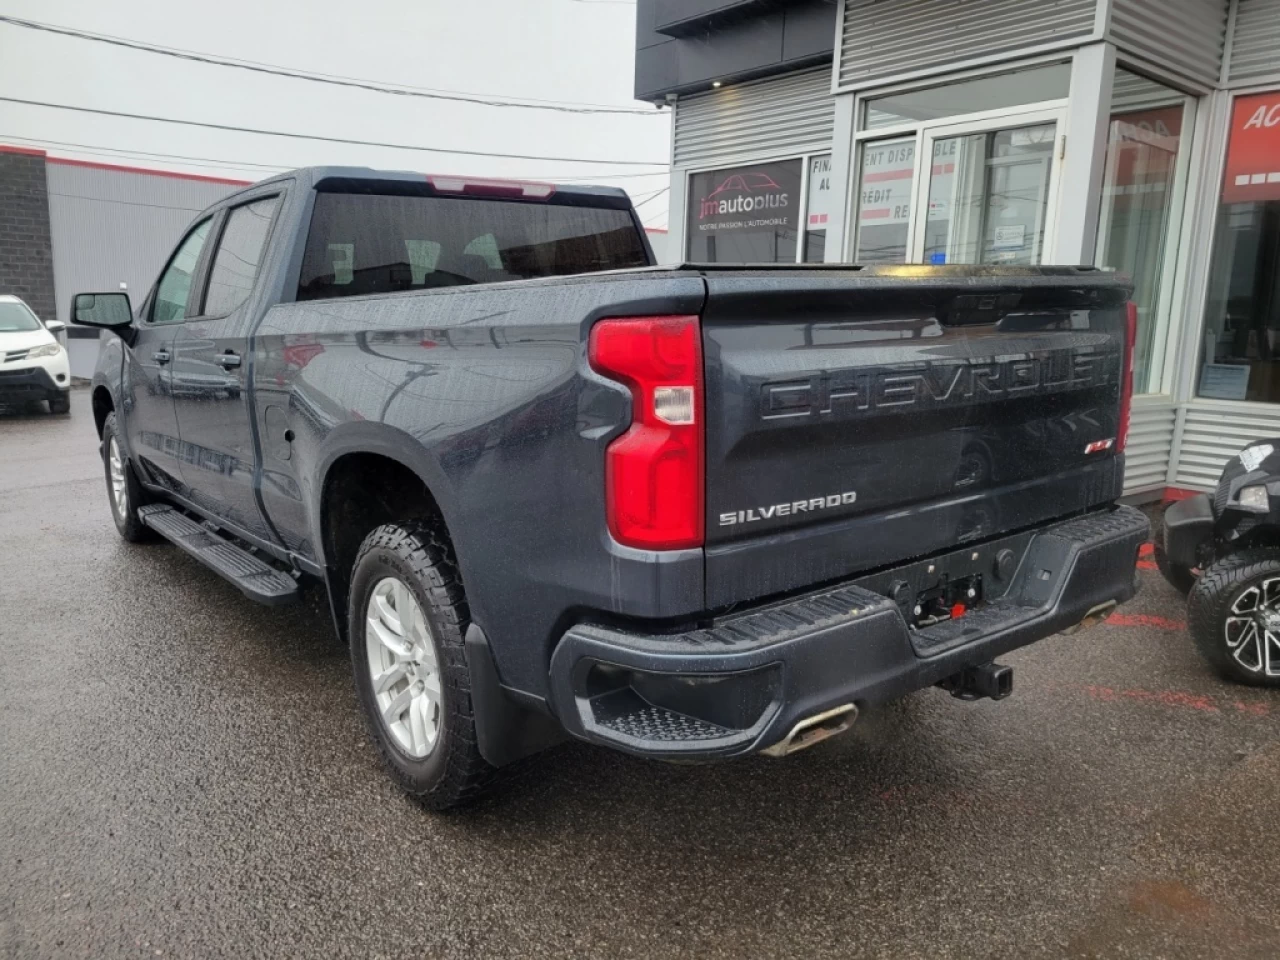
(184,774)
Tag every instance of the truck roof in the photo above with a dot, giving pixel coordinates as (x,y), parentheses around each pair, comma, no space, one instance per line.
(314,176)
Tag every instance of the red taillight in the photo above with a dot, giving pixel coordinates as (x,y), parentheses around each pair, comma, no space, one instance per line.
(1126,380)
(653,472)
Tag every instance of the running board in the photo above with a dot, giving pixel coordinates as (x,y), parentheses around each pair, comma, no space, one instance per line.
(255,578)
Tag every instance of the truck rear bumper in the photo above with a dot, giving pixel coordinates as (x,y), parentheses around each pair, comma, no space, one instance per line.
(743,683)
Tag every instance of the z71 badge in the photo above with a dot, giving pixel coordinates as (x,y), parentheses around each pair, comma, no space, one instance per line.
(756,514)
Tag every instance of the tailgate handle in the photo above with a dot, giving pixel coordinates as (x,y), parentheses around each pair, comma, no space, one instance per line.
(978,308)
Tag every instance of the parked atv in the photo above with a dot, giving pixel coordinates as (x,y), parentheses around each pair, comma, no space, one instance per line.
(1224,552)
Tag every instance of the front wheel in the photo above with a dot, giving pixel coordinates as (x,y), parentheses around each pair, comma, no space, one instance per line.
(1179,577)
(123,490)
(1233,615)
(60,404)
(407,618)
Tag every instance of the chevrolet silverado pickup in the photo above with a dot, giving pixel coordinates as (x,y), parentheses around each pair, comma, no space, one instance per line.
(553,490)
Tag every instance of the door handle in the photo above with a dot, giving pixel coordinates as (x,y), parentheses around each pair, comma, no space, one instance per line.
(162,356)
(228,360)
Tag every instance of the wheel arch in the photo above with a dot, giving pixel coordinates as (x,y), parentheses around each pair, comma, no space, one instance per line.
(371,474)
(103,405)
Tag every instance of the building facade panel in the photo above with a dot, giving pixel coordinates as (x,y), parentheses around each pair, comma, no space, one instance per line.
(784,115)
(113,228)
(1211,435)
(1150,442)
(1184,36)
(26,254)
(1255,42)
(882,39)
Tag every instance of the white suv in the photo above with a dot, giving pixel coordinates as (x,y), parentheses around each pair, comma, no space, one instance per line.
(33,364)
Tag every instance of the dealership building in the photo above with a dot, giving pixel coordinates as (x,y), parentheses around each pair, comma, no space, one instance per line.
(1142,135)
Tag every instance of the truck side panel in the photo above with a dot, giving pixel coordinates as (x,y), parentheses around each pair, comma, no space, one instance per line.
(487,392)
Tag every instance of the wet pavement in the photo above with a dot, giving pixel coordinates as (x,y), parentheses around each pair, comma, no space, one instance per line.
(184,774)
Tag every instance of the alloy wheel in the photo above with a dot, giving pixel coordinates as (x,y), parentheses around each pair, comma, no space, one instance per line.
(1252,628)
(403,668)
(119,489)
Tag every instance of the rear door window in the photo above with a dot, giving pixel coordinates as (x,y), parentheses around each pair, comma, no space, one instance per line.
(369,243)
(235,266)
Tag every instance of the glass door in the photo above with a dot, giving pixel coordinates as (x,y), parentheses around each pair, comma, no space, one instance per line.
(989,194)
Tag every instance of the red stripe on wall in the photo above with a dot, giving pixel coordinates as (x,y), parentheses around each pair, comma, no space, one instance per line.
(27,151)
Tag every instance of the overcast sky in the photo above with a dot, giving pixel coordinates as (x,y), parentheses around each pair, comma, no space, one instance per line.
(570,51)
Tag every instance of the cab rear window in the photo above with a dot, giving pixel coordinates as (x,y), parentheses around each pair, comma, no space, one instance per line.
(362,244)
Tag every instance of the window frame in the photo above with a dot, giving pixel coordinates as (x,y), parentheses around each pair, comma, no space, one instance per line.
(802,215)
(1181,214)
(224,218)
(917,129)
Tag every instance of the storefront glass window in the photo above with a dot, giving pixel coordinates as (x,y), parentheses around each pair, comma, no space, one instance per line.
(818,209)
(989,196)
(883,211)
(1240,358)
(1136,223)
(745,214)
(1037,84)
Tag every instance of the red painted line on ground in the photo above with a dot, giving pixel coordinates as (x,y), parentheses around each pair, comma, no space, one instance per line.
(1147,549)
(1147,565)
(1253,709)
(1164,698)
(1145,620)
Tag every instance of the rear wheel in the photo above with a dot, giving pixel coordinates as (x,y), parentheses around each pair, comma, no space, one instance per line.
(408,614)
(123,490)
(1233,615)
(1179,577)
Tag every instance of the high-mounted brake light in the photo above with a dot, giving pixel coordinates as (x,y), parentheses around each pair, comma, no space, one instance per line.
(1126,381)
(485,187)
(654,472)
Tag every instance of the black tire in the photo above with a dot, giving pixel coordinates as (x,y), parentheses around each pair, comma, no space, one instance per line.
(1210,603)
(60,404)
(127,522)
(1179,577)
(453,773)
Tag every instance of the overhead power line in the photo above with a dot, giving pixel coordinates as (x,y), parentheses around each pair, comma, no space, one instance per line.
(331,79)
(653,196)
(147,156)
(324,139)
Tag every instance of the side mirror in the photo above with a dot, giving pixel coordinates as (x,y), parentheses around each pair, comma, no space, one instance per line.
(55,327)
(108,311)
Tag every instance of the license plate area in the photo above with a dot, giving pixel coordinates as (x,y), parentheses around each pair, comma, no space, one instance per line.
(952,585)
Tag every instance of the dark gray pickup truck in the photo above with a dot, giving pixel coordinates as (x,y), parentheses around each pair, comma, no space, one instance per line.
(554,490)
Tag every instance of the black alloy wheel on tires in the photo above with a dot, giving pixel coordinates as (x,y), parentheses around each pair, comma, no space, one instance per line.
(1233,615)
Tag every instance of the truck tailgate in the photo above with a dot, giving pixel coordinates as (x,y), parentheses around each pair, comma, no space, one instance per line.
(857,419)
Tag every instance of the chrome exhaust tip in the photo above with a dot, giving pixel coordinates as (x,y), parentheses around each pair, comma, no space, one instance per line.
(1093,617)
(814,730)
